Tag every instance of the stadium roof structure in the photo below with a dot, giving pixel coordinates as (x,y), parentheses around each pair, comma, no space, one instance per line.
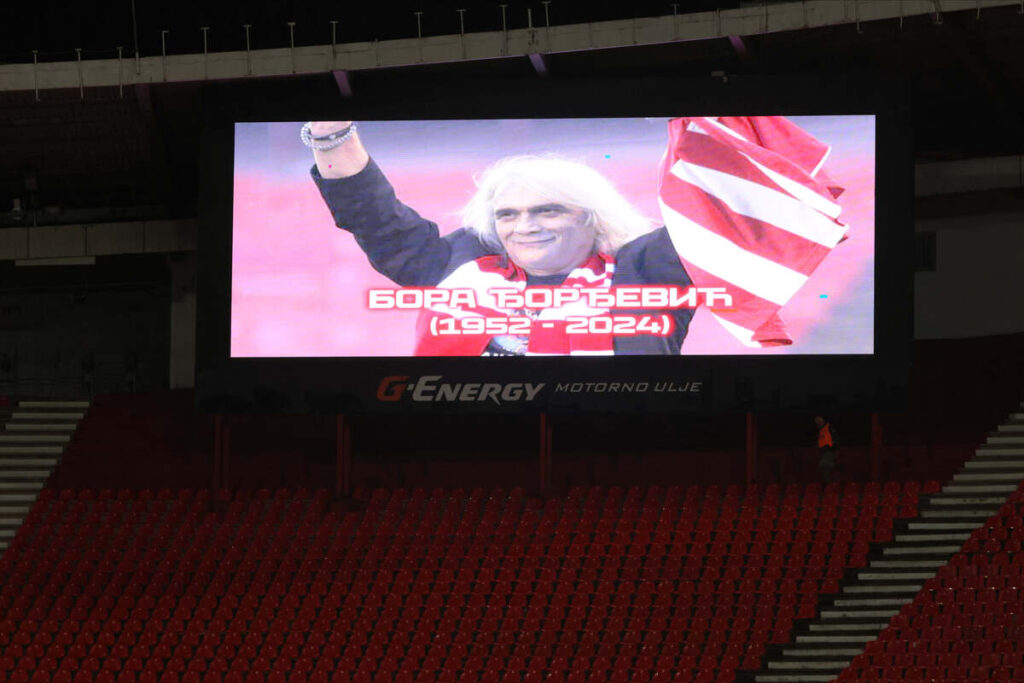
(98,110)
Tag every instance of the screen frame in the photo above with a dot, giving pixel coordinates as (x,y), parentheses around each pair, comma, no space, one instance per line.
(333,385)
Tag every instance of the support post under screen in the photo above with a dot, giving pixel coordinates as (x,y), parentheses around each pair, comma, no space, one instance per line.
(221,452)
(876,447)
(751,468)
(545,455)
(343,463)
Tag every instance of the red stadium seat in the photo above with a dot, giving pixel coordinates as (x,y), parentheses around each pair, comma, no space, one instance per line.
(491,600)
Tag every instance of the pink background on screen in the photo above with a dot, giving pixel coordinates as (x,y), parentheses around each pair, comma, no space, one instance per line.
(299,284)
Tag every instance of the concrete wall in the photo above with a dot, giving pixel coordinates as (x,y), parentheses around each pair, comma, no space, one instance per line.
(977,286)
(90,341)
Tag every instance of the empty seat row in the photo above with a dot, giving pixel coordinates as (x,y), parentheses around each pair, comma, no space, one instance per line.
(632,584)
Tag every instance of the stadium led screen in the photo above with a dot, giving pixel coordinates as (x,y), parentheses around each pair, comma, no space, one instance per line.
(687,235)
(604,245)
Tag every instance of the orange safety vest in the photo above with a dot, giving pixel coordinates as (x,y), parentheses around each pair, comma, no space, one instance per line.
(825,436)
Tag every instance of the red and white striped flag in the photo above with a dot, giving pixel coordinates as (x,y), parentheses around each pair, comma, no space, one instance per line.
(749,209)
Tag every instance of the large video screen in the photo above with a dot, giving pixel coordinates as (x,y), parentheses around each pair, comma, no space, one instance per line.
(730,235)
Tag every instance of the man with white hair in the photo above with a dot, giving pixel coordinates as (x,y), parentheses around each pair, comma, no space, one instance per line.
(534,221)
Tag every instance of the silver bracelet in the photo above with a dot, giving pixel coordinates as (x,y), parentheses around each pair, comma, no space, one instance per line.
(326,142)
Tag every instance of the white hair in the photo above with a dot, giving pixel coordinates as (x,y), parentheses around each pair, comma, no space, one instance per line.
(571,183)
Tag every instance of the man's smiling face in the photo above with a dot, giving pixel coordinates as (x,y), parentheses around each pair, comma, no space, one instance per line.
(541,236)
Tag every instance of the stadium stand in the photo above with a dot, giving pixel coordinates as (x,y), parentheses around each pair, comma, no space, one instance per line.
(619,584)
(34,435)
(706,583)
(893,578)
(965,624)
(268,529)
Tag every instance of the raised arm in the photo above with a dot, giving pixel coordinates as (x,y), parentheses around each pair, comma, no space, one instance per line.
(343,161)
(399,243)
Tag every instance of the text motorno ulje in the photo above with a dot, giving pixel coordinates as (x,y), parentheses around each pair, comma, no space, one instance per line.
(681,387)
(514,298)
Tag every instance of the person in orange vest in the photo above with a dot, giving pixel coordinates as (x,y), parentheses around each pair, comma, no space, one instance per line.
(826,449)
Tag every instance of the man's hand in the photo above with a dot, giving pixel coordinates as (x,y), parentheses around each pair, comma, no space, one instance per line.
(344,160)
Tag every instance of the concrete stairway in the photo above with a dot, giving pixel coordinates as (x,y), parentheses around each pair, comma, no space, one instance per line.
(847,621)
(32,440)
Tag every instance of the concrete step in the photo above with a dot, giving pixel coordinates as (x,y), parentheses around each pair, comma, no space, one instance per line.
(878,589)
(907,564)
(943,526)
(999,451)
(810,665)
(894,576)
(984,489)
(34,438)
(832,640)
(7,533)
(8,498)
(921,550)
(980,515)
(9,461)
(20,487)
(870,602)
(806,653)
(994,477)
(1006,437)
(9,475)
(978,501)
(994,464)
(53,404)
(41,427)
(19,415)
(27,450)
(858,614)
(1011,427)
(868,626)
(14,510)
(932,538)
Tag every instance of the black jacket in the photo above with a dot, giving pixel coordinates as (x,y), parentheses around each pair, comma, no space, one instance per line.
(407,248)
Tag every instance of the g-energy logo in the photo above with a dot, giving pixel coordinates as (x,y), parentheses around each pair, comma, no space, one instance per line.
(430,388)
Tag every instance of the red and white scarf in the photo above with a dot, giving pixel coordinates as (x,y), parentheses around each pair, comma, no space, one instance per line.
(547,332)
(748,208)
